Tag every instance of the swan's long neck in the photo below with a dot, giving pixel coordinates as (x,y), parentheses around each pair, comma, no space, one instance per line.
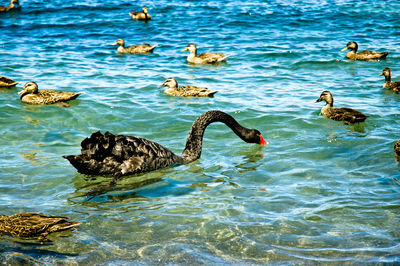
(194,140)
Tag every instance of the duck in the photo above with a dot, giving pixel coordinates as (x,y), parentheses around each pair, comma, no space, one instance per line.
(348,115)
(10,6)
(34,225)
(205,58)
(31,94)
(7,82)
(363,55)
(389,84)
(134,49)
(186,90)
(120,155)
(141,15)
(397,149)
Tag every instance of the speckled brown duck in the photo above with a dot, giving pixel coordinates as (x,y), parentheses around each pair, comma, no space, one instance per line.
(10,6)
(397,149)
(389,84)
(34,225)
(144,15)
(31,94)
(348,115)
(205,58)
(134,49)
(185,90)
(119,155)
(363,55)
(7,82)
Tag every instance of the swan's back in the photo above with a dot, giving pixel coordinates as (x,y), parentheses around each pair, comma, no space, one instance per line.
(111,154)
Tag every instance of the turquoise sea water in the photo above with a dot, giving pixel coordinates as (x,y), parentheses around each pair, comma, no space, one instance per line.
(320,192)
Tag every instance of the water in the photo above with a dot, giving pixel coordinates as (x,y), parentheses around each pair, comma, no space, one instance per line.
(320,192)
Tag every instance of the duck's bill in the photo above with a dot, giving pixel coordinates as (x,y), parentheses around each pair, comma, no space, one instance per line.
(184,49)
(317,101)
(21,92)
(115,43)
(344,49)
(162,85)
(381,74)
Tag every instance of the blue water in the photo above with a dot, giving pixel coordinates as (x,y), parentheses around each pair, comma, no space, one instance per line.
(320,192)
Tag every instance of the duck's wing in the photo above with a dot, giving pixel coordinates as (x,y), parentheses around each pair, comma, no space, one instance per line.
(111,154)
(371,55)
(6,82)
(397,148)
(212,57)
(394,86)
(190,90)
(141,48)
(34,224)
(50,96)
(348,115)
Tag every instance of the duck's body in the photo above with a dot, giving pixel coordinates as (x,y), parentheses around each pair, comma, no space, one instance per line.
(348,115)
(120,155)
(10,6)
(397,149)
(205,58)
(363,55)
(30,225)
(144,15)
(31,94)
(134,49)
(186,90)
(389,84)
(6,82)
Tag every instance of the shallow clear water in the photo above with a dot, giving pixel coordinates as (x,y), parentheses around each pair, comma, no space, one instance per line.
(321,191)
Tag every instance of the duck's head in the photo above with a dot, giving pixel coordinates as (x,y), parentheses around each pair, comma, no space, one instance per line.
(350,45)
(191,47)
(325,96)
(145,10)
(12,2)
(170,83)
(386,72)
(119,42)
(29,88)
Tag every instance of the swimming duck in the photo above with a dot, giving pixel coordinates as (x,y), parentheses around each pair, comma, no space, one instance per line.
(119,155)
(141,15)
(34,225)
(348,115)
(389,84)
(397,149)
(363,55)
(6,82)
(10,6)
(134,49)
(186,90)
(31,94)
(205,58)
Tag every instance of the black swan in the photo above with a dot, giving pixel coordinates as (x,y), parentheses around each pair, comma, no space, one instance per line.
(119,155)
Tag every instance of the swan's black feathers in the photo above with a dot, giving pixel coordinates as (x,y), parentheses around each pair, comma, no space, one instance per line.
(111,154)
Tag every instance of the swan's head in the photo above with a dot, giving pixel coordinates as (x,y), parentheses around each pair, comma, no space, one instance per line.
(254,136)
(170,83)
(119,42)
(191,47)
(145,10)
(29,88)
(325,96)
(350,45)
(386,72)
